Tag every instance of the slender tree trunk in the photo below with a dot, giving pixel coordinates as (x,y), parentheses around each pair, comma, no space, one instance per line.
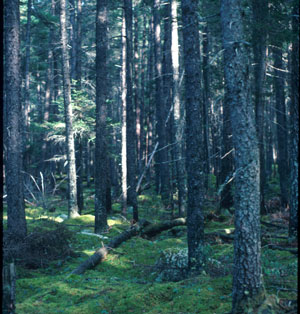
(281,126)
(72,186)
(124,124)
(247,273)
(178,119)
(73,41)
(101,98)
(130,116)
(206,103)
(294,135)
(227,158)
(194,153)
(162,168)
(260,10)
(16,222)
(79,155)
(27,63)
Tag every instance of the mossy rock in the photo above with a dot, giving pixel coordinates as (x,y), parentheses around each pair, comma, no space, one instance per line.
(172,265)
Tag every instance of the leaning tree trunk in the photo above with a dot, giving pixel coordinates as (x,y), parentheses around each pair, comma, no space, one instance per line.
(101,171)
(248,289)
(294,136)
(130,116)
(16,222)
(194,152)
(72,188)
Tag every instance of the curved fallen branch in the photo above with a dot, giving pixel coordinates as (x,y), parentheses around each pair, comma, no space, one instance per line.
(143,228)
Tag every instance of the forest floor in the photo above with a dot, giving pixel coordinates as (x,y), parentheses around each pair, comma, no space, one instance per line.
(128,280)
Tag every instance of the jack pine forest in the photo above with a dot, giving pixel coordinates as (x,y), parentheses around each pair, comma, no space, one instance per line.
(150,156)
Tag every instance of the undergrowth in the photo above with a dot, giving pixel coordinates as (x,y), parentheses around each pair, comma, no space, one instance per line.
(127,281)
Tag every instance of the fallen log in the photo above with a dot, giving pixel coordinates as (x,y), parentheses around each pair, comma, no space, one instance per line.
(269,224)
(143,228)
(277,247)
(153,229)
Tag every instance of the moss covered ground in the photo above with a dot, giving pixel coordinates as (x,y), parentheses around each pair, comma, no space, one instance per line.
(127,281)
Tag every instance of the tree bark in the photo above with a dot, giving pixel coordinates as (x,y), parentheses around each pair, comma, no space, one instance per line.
(162,168)
(177,104)
(260,11)
(16,221)
(294,121)
(130,116)
(72,186)
(247,273)
(9,289)
(281,126)
(101,99)
(194,153)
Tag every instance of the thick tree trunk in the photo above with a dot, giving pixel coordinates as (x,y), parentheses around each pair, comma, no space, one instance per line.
(247,274)
(281,126)
(294,121)
(101,98)
(194,152)
(178,119)
(260,10)
(16,222)
(130,116)
(72,186)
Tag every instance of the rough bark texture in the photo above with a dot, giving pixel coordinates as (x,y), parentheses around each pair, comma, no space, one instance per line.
(130,116)
(248,289)
(16,223)
(260,11)
(72,187)
(194,153)
(161,169)
(101,98)
(294,137)
(281,126)
(177,104)
(9,289)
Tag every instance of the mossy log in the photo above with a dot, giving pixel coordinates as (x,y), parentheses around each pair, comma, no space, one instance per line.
(143,228)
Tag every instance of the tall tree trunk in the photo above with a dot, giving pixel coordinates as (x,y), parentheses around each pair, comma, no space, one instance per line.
(101,98)
(281,126)
(206,103)
(227,158)
(162,167)
(260,10)
(130,116)
(194,153)
(79,155)
(294,135)
(178,119)
(124,125)
(16,222)
(73,41)
(167,79)
(27,64)
(247,274)
(72,186)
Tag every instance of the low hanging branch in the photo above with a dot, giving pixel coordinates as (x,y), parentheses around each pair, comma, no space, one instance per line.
(143,228)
